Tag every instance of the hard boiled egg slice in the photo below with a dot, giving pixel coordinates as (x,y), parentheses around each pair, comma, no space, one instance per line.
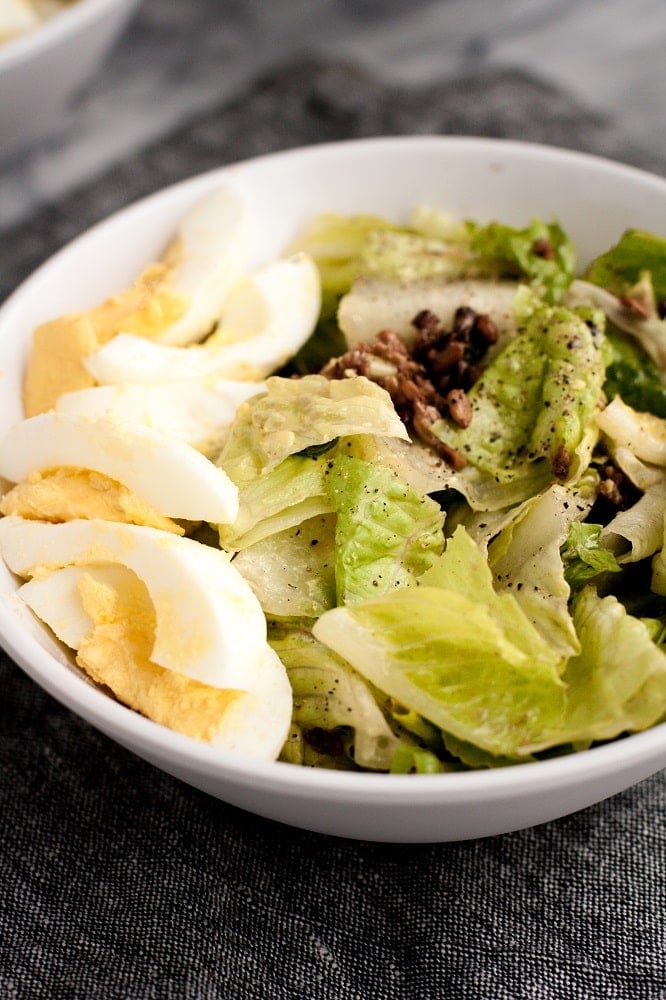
(208,256)
(197,411)
(209,625)
(104,612)
(267,317)
(170,475)
(56,599)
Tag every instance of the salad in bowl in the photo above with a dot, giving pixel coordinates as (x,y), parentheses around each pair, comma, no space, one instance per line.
(339,493)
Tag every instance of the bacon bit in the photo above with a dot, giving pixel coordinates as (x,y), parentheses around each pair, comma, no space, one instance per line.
(423,419)
(635,305)
(561,462)
(459,406)
(543,248)
(430,380)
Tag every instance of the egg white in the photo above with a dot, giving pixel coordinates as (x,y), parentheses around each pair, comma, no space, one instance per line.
(176,479)
(198,411)
(210,253)
(267,317)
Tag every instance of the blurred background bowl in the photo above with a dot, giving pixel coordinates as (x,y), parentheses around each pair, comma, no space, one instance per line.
(43,70)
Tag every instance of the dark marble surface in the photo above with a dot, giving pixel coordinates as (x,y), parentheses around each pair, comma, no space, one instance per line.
(180,60)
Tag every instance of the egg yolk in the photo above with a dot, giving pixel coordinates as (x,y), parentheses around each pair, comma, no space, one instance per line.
(66,493)
(116,653)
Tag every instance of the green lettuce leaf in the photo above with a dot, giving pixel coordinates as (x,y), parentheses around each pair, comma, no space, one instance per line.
(405,257)
(584,557)
(458,654)
(638,532)
(387,533)
(415,760)
(632,374)
(617,684)
(525,559)
(301,413)
(283,498)
(541,253)
(463,569)
(292,572)
(621,267)
(535,399)
(336,243)
(332,697)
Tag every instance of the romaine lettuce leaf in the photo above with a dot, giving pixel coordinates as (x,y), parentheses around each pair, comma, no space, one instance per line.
(292,572)
(464,569)
(331,696)
(638,532)
(525,559)
(415,760)
(646,327)
(374,304)
(297,414)
(335,242)
(621,267)
(404,257)
(286,496)
(632,374)
(463,657)
(617,684)
(535,399)
(541,253)
(387,533)
(584,557)
(643,434)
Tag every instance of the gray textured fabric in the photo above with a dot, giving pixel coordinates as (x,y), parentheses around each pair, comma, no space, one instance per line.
(119,882)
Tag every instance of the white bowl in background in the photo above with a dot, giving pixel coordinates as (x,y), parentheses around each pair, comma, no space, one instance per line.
(43,69)
(595,200)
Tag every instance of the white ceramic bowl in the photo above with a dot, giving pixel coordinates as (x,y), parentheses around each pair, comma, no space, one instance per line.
(595,200)
(42,70)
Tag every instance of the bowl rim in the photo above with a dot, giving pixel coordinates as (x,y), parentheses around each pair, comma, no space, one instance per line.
(73,18)
(129,728)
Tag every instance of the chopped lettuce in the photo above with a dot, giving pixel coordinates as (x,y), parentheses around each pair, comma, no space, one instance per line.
(415,760)
(632,374)
(292,572)
(387,533)
(617,684)
(540,254)
(336,243)
(525,559)
(296,414)
(643,434)
(462,656)
(584,557)
(286,496)
(637,532)
(644,324)
(404,257)
(536,398)
(330,696)
(621,267)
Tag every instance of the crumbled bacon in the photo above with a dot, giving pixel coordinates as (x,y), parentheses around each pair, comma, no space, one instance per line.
(543,248)
(430,380)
